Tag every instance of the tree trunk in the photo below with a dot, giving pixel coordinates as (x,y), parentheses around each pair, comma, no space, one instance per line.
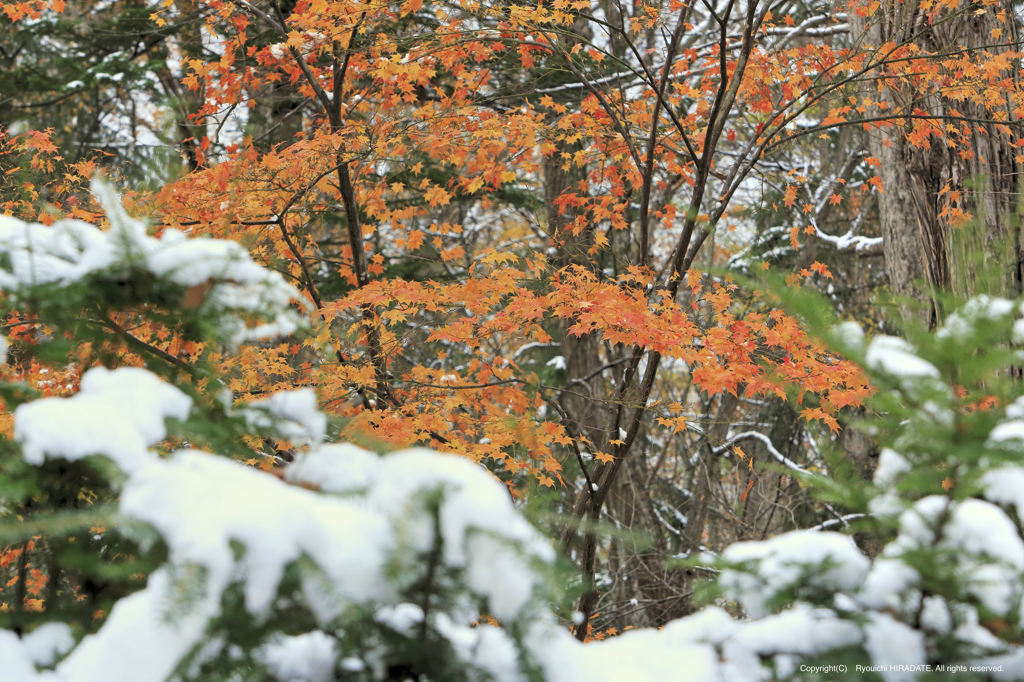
(972,161)
(773,503)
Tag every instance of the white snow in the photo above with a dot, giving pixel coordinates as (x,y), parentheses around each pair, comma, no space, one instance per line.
(1015,410)
(984,306)
(138,642)
(960,324)
(638,656)
(335,468)
(368,512)
(117,413)
(894,647)
(850,333)
(935,615)
(988,550)
(890,465)
(70,251)
(19,663)
(558,362)
(1005,485)
(848,240)
(885,584)
(401,618)
(476,510)
(47,642)
(978,527)
(367,522)
(1008,431)
(896,357)
(982,532)
(486,647)
(917,524)
(201,504)
(303,423)
(801,630)
(784,562)
(368,507)
(305,658)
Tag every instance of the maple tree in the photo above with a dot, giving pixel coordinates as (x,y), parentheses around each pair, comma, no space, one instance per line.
(509,218)
(99,77)
(348,565)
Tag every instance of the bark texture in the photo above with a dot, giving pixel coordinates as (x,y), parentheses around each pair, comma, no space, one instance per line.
(922,250)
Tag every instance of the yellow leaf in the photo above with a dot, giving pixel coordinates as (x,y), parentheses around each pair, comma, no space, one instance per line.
(411,6)
(790,197)
(437,196)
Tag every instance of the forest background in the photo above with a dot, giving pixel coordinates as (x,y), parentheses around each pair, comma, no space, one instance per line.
(523,229)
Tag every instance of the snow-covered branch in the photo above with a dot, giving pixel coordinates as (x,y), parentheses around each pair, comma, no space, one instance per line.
(769,446)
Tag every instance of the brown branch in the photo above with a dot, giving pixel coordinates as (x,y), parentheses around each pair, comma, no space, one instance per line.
(619,128)
(139,344)
(467,386)
(310,286)
(648,173)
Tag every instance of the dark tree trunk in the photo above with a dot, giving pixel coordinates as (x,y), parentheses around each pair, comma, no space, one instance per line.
(774,502)
(976,160)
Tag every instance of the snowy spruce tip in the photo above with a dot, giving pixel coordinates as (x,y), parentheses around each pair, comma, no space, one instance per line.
(220,273)
(359,526)
(348,537)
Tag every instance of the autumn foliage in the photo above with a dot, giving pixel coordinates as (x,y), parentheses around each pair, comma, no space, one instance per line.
(474,186)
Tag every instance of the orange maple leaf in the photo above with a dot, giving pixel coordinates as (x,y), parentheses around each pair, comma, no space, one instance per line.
(743,496)
(821,269)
